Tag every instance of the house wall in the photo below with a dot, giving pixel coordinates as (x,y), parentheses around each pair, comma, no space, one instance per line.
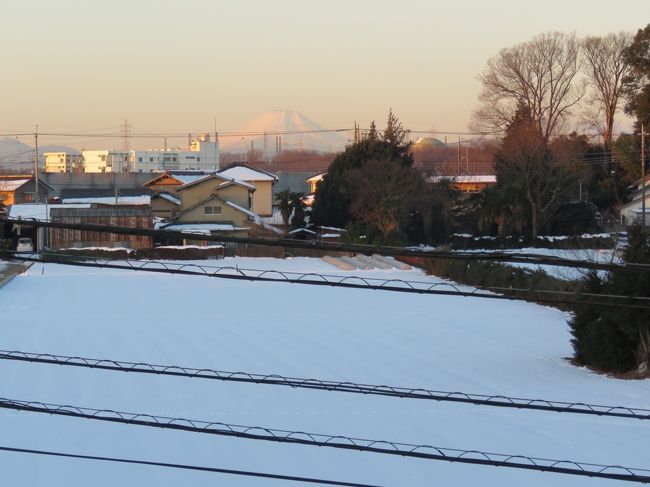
(202,191)
(228,215)
(162,208)
(7,197)
(27,193)
(262,198)
(236,194)
(631,212)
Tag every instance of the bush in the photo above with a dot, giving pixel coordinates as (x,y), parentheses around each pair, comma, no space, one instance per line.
(616,339)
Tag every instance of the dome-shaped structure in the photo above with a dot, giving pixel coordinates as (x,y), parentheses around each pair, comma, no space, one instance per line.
(428,142)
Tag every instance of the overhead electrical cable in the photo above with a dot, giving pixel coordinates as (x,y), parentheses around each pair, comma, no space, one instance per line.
(427,452)
(245,473)
(329,385)
(498,256)
(348,282)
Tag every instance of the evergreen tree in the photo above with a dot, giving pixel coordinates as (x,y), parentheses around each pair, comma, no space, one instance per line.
(334,193)
(637,84)
(284,204)
(396,136)
(616,339)
(298,206)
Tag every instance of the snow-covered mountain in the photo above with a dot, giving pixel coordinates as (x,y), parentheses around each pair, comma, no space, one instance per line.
(295,130)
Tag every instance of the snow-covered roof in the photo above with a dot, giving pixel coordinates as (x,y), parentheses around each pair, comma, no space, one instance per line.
(187,178)
(475,178)
(39,211)
(170,197)
(112,200)
(237,182)
(254,216)
(12,184)
(204,228)
(301,230)
(225,182)
(245,173)
(335,229)
(316,178)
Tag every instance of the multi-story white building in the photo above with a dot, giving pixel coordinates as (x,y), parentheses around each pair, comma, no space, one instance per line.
(203,155)
(105,161)
(63,162)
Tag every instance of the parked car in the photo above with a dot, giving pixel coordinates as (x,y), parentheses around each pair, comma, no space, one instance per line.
(25,245)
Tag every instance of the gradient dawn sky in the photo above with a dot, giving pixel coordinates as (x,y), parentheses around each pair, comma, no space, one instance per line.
(175,66)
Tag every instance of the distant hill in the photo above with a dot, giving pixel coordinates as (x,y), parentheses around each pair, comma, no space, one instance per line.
(13,152)
(17,156)
(56,148)
(297,133)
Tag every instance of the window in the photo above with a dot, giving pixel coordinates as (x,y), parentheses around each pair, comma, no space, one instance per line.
(103,158)
(198,159)
(151,159)
(139,159)
(212,210)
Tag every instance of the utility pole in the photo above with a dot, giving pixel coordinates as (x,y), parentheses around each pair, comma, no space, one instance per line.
(19,166)
(458,157)
(37,196)
(125,128)
(643,174)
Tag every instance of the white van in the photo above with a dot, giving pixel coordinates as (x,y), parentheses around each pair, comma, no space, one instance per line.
(25,245)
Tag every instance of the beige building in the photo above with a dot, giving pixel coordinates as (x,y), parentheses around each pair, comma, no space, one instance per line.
(105,161)
(262,181)
(314,180)
(63,162)
(215,204)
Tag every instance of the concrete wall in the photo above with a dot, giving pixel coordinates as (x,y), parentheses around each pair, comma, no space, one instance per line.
(59,181)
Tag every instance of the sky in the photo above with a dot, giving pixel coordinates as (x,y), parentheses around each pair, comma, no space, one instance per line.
(185,66)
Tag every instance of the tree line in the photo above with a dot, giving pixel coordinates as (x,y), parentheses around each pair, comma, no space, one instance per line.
(531,93)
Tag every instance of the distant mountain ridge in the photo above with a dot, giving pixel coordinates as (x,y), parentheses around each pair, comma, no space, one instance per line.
(13,152)
(288,128)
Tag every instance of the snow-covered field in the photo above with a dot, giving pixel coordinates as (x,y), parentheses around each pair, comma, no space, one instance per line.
(437,342)
(567,273)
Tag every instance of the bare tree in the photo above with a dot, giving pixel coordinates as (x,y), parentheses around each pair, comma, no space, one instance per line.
(540,75)
(605,68)
(531,170)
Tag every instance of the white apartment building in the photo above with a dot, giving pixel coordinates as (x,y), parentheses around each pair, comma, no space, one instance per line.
(203,154)
(63,162)
(105,161)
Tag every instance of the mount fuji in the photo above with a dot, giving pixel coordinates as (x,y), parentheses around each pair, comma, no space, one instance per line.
(291,129)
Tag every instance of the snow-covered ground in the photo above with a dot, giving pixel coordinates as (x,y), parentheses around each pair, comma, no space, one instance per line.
(567,273)
(377,337)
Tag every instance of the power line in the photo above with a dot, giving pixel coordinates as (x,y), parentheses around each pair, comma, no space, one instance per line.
(366,249)
(427,452)
(245,473)
(349,282)
(328,385)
